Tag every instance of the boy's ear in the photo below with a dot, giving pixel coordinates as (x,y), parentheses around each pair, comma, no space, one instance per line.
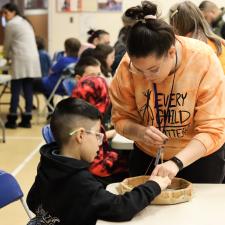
(79,136)
(77,77)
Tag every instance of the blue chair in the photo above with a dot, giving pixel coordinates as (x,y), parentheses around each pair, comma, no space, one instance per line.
(67,73)
(69,84)
(47,134)
(10,191)
(35,221)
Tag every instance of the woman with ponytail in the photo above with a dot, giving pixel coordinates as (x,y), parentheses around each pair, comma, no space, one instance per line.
(168,96)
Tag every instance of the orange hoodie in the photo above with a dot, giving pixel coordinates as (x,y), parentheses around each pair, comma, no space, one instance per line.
(197,109)
(221,56)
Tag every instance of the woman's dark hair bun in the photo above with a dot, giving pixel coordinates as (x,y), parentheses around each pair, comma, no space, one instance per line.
(139,12)
(149,8)
(91,31)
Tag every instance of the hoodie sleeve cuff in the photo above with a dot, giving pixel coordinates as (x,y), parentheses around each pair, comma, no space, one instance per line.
(154,187)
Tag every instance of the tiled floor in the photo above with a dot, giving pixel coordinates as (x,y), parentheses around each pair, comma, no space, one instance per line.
(19,156)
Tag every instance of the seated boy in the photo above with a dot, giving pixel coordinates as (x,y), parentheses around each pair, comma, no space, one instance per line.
(46,84)
(87,65)
(64,191)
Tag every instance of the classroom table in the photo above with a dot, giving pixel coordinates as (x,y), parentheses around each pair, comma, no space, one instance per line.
(207,207)
(121,143)
(5,78)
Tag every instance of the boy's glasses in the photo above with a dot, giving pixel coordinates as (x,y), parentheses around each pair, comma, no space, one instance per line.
(99,136)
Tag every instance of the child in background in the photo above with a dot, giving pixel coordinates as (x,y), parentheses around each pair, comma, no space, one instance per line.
(46,84)
(72,46)
(44,57)
(64,191)
(106,55)
(97,37)
(87,65)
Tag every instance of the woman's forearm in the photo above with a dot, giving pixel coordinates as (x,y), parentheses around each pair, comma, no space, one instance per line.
(149,135)
(192,152)
(133,131)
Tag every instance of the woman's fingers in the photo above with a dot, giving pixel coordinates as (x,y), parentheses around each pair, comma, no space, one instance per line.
(158,132)
(152,140)
(154,136)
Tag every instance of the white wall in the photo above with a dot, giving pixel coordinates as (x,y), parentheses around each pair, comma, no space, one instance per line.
(60,25)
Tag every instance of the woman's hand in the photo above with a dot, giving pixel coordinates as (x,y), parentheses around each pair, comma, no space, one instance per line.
(154,136)
(168,168)
(110,133)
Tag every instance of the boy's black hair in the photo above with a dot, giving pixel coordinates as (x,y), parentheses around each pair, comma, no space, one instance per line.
(84,62)
(72,47)
(89,52)
(69,112)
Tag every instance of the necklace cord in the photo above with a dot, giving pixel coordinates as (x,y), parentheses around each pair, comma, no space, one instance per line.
(160,150)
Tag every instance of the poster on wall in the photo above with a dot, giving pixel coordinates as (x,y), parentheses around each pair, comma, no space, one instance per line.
(68,5)
(35,4)
(109,5)
(76,5)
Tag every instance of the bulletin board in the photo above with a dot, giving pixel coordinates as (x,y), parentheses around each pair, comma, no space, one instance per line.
(89,5)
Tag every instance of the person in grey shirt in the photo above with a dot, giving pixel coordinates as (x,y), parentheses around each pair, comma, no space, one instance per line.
(21,50)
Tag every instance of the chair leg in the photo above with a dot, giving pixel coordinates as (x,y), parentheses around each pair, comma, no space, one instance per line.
(48,104)
(37,108)
(3,130)
(29,213)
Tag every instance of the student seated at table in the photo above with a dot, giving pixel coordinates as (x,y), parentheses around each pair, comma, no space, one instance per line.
(64,191)
(109,166)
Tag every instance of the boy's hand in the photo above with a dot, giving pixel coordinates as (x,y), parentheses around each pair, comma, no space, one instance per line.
(163,182)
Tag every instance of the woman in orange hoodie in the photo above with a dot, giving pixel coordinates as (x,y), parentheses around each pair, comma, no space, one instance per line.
(187,20)
(168,96)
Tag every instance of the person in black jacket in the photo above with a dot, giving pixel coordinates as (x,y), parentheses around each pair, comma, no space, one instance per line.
(64,191)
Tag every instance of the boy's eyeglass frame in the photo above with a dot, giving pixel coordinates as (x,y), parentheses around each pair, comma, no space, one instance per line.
(99,136)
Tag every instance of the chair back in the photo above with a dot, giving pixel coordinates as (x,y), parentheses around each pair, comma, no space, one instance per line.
(69,70)
(57,55)
(10,190)
(69,84)
(47,134)
(34,221)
